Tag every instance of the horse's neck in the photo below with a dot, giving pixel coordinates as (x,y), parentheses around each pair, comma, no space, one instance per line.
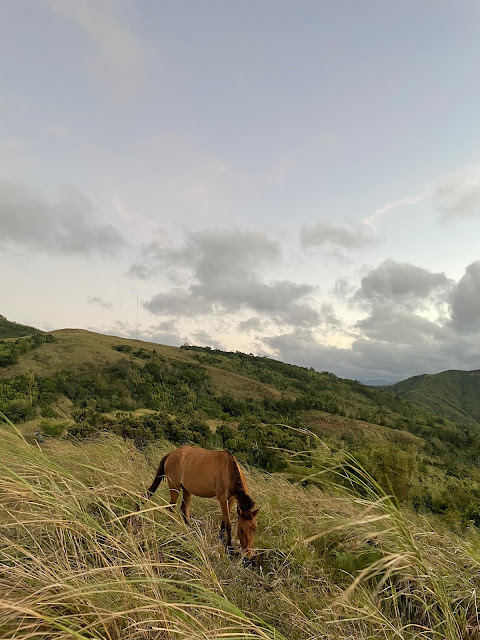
(242,480)
(239,487)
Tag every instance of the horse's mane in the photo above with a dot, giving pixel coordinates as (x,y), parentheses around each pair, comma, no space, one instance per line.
(238,489)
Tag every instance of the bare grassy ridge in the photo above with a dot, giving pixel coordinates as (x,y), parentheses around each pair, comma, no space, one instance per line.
(74,563)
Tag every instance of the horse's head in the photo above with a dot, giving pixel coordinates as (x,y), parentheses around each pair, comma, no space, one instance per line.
(247,525)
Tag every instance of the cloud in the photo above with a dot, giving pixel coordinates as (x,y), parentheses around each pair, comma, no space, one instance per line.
(465,301)
(118,59)
(178,302)
(324,233)
(251,324)
(223,270)
(160,334)
(395,341)
(388,323)
(400,282)
(458,195)
(384,359)
(402,202)
(29,221)
(99,302)
(203,338)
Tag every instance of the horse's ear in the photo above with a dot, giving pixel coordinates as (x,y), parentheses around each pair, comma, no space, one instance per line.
(254,513)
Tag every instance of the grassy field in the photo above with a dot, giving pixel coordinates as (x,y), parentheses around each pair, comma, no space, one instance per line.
(81,556)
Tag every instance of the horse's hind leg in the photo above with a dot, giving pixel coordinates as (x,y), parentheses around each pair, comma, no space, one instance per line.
(174,493)
(187,498)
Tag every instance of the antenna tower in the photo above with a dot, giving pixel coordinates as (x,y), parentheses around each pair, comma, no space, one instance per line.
(136,325)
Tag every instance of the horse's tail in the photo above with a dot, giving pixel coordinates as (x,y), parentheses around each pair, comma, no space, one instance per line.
(159,477)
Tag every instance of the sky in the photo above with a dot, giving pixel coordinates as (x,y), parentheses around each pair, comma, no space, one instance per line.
(298,179)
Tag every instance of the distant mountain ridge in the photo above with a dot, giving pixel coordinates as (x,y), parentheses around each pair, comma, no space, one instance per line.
(453,394)
(10,329)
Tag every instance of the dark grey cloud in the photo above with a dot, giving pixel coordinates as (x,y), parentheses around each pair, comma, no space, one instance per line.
(268,297)
(232,252)
(378,358)
(465,301)
(225,272)
(29,221)
(324,233)
(251,324)
(402,283)
(203,338)
(178,302)
(389,323)
(328,316)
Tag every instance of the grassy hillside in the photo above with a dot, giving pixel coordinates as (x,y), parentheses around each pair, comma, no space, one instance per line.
(78,561)
(452,394)
(387,549)
(77,383)
(13,329)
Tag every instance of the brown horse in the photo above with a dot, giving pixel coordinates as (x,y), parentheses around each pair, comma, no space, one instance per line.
(205,473)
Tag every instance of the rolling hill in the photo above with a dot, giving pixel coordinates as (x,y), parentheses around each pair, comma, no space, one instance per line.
(76,383)
(452,394)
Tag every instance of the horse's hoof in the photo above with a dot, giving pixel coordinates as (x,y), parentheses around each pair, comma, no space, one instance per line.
(254,561)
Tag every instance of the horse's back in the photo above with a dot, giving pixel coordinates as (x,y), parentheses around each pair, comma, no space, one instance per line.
(202,472)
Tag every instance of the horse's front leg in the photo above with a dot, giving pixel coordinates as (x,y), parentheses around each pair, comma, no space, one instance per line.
(226,527)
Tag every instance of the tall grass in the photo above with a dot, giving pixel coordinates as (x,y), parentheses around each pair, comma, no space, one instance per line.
(83,556)
(77,561)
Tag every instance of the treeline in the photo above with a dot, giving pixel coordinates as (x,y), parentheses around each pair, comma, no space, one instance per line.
(256,443)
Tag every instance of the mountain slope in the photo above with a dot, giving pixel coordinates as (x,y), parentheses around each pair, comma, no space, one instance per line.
(454,394)
(10,329)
